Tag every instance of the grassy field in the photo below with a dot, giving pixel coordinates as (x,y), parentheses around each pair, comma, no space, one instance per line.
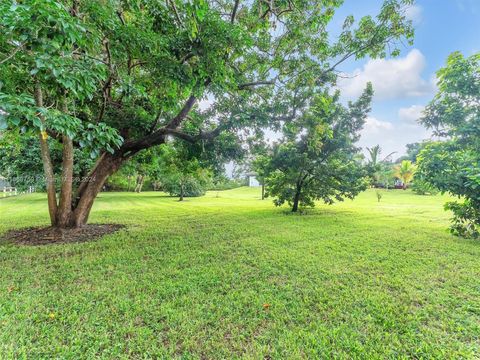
(230,276)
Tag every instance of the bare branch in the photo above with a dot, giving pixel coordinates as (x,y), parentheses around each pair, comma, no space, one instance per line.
(177,16)
(256,83)
(17,49)
(234,12)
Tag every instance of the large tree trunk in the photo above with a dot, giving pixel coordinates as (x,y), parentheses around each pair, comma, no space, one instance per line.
(296,198)
(47,162)
(64,211)
(87,192)
(263,191)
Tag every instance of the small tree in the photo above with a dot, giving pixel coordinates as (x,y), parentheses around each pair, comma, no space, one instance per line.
(374,154)
(181,175)
(405,171)
(317,159)
(379,169)
(385,174)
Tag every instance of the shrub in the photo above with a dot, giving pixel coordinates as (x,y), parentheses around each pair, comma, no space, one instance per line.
(421,187)
(191,187)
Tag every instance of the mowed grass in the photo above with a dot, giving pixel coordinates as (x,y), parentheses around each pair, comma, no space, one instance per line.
(230,276)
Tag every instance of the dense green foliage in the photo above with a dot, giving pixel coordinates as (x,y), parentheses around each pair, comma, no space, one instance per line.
(113,78)
(21,165)
(380,168)
(423,187)
(181,174)
(453,165)
(19,162)
(413,150)
(317,158)
(358,279)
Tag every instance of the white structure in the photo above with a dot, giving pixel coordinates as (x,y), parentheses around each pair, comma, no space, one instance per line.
(6,189)
(9,191)
(252,180)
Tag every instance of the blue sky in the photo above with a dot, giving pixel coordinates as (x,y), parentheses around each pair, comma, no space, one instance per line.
(406,84)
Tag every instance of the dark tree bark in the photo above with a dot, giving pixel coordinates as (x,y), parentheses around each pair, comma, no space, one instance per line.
(107,165)
(296,198)
(182,191)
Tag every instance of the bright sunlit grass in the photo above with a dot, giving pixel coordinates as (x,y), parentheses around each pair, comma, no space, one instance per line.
(228,275)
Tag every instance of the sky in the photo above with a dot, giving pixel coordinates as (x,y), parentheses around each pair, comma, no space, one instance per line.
(404,85)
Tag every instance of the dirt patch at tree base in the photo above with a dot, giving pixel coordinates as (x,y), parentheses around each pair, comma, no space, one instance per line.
(36,236)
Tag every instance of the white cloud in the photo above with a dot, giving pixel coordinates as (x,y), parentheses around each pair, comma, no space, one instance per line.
(410,114)
(414,13)
(392,137)
(391,78)
(375,126)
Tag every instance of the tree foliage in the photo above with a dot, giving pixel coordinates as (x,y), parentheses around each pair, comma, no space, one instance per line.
(21,166)
(405,172)
(182,174)
(453,165)
(317,159)
(113,78)
(380,169)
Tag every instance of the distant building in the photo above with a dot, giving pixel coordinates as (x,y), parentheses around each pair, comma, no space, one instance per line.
(252,180)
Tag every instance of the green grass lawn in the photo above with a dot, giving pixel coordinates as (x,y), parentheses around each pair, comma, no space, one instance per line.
(190,280)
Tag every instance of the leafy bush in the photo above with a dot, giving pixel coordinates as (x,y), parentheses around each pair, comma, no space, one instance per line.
(119,182)
(422,187)
(466,218)
(191,187)
(226,184)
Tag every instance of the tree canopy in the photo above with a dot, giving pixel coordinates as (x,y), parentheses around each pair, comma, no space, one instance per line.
(453,165)
(113,78)
(317,158)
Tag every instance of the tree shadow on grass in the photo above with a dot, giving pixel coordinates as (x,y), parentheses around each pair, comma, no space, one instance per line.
(36,236)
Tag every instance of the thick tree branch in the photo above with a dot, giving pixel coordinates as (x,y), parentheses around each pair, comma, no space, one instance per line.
(210,135)
(255,83)
(177,15)
(177,120)
(234,12)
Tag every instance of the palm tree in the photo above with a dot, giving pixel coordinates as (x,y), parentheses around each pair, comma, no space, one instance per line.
(374,153)
(405,172)
(380,167)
